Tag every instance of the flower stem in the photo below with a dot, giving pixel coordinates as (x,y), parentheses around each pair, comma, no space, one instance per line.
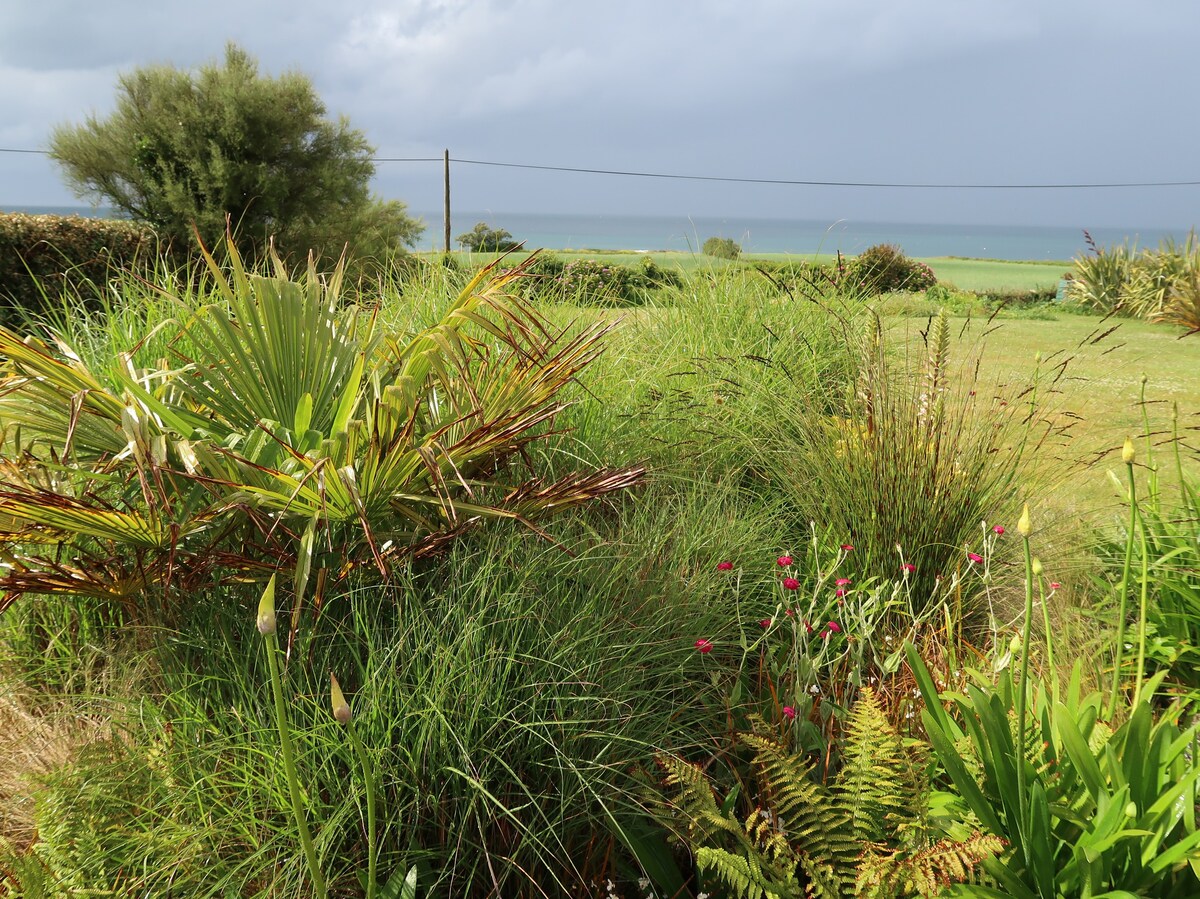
(1145,598)
(1023,687)
(368,773)
(289,766)
(1123,611)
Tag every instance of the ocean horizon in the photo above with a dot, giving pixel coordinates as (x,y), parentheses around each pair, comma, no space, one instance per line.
(684,233)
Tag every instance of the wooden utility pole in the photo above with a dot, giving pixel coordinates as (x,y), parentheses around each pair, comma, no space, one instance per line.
(447,207)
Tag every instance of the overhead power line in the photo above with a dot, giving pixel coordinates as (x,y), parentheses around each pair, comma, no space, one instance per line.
(797,182)
(808,183)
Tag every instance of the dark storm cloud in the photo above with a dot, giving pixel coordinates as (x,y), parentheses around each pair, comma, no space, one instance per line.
(924,90)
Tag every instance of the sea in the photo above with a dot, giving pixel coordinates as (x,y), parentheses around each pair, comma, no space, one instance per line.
(685,233)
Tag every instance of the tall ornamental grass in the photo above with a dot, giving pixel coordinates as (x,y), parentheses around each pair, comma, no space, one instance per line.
(920,465)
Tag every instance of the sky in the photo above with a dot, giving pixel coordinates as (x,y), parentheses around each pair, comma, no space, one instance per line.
(950,92)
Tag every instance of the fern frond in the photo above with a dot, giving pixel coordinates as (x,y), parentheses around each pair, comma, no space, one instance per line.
(929,872)
(744,875)
(877,783)
(816,827)
(696,802)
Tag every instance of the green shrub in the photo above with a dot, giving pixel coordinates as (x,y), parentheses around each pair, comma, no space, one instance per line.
(43,257)
(884,268)
(721,248)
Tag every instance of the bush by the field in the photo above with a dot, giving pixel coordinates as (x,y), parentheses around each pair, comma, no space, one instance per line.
(884,268)
(721,248)
(43,256)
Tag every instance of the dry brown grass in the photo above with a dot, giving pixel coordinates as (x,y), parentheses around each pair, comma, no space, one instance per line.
(34,742)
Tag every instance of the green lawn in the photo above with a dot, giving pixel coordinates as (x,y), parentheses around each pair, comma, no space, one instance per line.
(995,274)
(1101,383)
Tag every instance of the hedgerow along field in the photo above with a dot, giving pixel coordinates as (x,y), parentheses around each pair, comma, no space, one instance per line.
(693,679)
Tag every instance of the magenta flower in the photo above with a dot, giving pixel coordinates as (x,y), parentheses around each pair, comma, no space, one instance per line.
(834,627)
(724,566)
(790,613)
(975,557)
(842,581)
(999,529)
(826,634)
(789,712)
(765,623)
(808,628)
(909,567)
(1054,585)
(790,583)
(839,593)
(784,561)
(704,646)
(847,547)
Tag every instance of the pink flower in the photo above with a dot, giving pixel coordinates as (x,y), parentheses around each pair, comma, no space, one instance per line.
(724,566)
(704,646)
(842,581)
(808,628)
(790,613)
(975,557)
(784,561)
(908,567)
(834,627)
(765,623)
(789,712)
(825,634)
(839,593)
(847,547)
(999,529)
(1054,585)
(790,583)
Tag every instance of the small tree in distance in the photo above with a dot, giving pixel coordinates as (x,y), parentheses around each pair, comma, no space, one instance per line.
(721,248)
(485,239)
(188,149)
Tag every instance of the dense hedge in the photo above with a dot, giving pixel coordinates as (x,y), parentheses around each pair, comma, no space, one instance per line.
(41,256)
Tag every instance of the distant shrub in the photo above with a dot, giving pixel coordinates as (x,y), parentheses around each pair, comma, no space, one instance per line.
(599,282)
(43,256)
(884,268)
(657,276)
(485,239)
(1151,284)
(588,281)
(804,275)
(721,248)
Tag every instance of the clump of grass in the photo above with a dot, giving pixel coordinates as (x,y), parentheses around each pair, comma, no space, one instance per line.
(916,466)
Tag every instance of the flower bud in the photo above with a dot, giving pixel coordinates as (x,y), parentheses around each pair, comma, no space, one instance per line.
(1128,453)
(1023,524)
(341,708)
(1037,567)
(266,609)
(1014,645)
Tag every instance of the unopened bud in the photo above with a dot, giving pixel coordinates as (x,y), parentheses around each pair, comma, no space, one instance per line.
(341,708)
(266,609)
(1023,524)
(1037,567)
(1014,645)
(1128,453)
(1131,810)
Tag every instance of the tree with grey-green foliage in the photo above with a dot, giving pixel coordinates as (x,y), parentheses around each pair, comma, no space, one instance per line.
(189,148)
(483,238)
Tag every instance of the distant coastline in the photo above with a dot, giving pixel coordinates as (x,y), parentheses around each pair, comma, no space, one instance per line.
(682,233)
